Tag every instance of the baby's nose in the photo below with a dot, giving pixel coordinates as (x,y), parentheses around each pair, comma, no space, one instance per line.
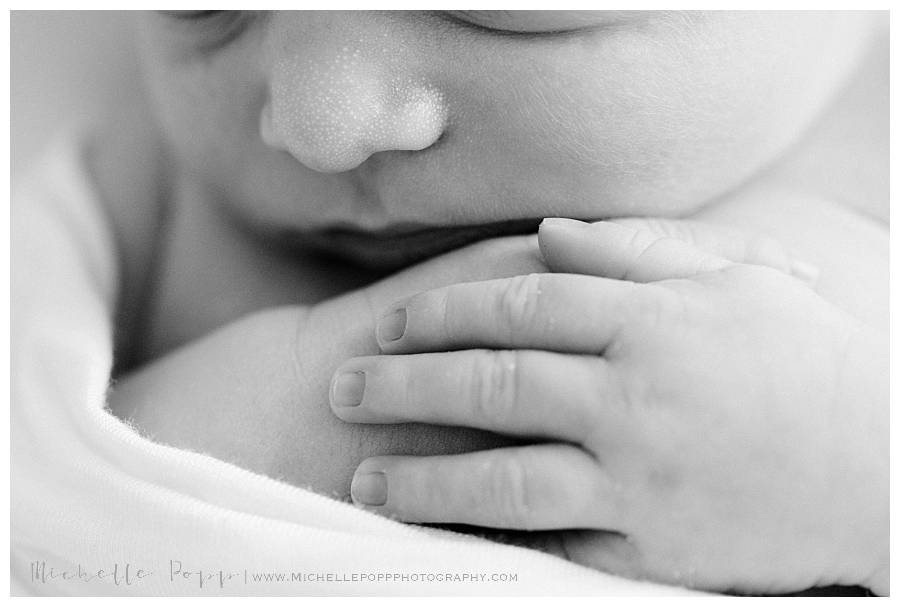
(332,115)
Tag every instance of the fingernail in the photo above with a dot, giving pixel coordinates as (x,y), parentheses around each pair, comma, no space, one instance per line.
(392,326)
(369,488)
(347,389)
(805,271)
(562,222)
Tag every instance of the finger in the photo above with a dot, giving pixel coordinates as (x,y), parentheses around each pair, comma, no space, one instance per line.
(519,392)
(551,486)
(735,245)
(605,551)
(560,312)
(621,252)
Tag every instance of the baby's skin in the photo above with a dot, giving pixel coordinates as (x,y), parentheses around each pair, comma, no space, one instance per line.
(640,368)
(705,418)
(668,438)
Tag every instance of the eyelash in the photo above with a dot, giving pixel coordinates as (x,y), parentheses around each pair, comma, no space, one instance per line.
(522,35)
(214,30)
(484,29)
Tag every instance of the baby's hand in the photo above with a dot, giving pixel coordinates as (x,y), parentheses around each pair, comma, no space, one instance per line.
(700,422)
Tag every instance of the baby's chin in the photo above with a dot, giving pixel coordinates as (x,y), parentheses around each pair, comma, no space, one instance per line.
(401,246)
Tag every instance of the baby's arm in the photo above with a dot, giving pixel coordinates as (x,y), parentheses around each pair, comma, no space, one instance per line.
(255,392)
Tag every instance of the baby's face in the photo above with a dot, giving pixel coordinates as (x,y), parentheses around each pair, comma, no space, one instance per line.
(351,130)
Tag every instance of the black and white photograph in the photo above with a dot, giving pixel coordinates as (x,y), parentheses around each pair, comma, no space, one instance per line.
(520,302)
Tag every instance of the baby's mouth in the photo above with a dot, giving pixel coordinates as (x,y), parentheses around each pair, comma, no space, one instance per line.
(405,244)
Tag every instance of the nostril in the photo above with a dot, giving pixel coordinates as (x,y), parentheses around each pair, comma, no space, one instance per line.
(332,115)
(267,130)
(340,137)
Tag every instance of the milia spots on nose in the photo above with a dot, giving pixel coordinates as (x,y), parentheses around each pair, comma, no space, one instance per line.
(333,114)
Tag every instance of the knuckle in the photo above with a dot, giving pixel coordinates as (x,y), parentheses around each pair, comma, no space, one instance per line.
(653,306)
(495,389)
(641,245)
(509,491)
(641,239)
(657,226)
(518,302)
(449,313)
(691,233)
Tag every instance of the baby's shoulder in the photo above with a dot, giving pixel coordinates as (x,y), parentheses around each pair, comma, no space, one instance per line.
(128,167)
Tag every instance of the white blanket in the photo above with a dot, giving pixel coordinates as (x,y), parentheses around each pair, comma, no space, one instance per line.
(97,509)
